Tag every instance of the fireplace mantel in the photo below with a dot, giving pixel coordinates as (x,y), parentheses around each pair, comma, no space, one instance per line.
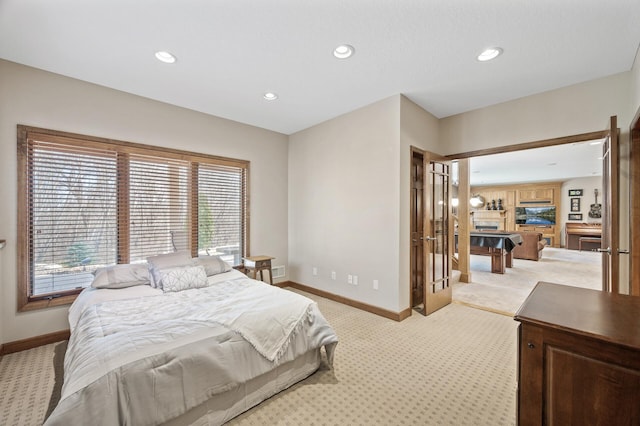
(489,219)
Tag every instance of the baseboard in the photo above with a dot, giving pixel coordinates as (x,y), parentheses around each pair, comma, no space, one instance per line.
(34,342)
(396,316)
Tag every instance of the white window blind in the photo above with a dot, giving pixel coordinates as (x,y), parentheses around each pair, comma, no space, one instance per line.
(159,206)
(87,203)
(221,210)
(72,214)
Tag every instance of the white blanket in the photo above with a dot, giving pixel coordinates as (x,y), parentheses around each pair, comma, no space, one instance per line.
(148,359)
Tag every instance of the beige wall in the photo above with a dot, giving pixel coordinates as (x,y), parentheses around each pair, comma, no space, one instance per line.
(344,189)
(580,108)
(576,109)
(635,84)
(349,200)
(36,98)
(588,185)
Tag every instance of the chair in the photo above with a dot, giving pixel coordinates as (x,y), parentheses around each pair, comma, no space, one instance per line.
(532,245)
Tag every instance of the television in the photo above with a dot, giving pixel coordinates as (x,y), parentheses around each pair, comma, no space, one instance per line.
(536,215)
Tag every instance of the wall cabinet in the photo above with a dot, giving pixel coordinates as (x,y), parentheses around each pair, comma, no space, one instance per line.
(578,357)
(536,195)
(527,195)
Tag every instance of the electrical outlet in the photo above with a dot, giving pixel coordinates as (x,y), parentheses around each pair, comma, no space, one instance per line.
(355,280)
(375,284)
(350,279)
(333,275)
(315,271)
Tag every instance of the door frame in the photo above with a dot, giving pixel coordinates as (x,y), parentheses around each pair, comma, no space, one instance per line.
(582,137)
(610,241)
(634,205)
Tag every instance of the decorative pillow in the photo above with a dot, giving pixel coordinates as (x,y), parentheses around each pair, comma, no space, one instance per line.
(183,278)
(165,261)
(121,276)
(212,265)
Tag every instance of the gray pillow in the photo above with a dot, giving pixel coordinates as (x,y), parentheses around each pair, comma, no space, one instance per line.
(121,276)
(212,264)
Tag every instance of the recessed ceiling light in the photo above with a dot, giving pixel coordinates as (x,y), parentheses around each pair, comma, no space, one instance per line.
(343,51)
(270,96)
(595,143)
(489,54)
(165,57)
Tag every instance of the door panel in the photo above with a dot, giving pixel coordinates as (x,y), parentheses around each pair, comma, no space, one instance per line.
(610,222)
(437,292)
(417,229)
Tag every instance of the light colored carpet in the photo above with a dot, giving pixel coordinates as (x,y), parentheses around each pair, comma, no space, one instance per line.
(505,293)
(455,367)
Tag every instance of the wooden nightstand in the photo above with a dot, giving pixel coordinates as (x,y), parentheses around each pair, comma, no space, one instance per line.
(259,264)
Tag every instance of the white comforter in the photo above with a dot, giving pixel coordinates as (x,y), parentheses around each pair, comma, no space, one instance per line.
(151,357)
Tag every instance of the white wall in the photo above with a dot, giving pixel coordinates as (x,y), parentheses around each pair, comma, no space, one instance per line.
(349,200)
(576,109)
(635,84)
(33,97)
(571,110)
(588,185)
(344,190)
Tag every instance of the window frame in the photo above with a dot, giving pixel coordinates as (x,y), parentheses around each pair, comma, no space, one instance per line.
(26,301)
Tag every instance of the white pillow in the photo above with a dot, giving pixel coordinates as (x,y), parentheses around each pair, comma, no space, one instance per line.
(121,276)
(183,278)
(212,265)
(165,261)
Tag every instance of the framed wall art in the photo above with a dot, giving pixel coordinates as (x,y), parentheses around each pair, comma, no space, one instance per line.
(575,216)
(575,204)
(575,193)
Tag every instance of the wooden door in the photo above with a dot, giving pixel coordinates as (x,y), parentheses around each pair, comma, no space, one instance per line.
(417,229)
(634,204)
(431,243)
(437,241)
(610,223)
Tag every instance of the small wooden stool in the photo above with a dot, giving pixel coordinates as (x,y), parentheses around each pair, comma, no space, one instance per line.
(259,264)
(587,240)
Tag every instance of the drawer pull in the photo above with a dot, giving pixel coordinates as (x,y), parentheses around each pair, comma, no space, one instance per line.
(531,345)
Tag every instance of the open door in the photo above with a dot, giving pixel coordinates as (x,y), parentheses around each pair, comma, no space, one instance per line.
(437,242)
(431,243)
(610,222)
(417,255)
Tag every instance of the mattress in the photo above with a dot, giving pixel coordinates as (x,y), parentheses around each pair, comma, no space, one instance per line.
(141,356)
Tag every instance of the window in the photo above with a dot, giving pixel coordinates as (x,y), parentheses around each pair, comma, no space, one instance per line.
(86,203)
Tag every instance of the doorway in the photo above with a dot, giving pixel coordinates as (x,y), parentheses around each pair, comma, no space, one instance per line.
(581,138)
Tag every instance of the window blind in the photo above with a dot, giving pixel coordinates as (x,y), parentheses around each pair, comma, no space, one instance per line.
(85,203)
(159,206)
(221,209)
(72,214)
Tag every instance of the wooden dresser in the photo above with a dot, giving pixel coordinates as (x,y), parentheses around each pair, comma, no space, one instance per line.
(579,357)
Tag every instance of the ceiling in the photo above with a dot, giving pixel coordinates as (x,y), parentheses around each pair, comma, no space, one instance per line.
(230,52)
(554,163)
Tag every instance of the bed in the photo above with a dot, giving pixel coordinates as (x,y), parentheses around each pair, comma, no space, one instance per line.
(193,350)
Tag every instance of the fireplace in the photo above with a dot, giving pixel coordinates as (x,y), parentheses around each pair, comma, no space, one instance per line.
(489,220)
